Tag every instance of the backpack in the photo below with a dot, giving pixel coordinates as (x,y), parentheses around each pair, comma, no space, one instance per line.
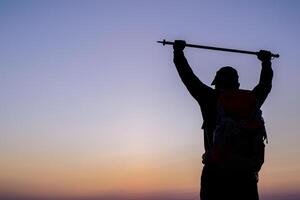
(238,139)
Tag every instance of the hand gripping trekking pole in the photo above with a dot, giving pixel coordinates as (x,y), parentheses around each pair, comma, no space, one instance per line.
(164,42)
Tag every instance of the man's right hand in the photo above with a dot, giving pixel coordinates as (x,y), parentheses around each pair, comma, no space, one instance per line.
(264,55)
(179,45)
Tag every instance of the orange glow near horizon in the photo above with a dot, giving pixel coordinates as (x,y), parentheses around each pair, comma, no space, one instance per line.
(139,176)
(132,177)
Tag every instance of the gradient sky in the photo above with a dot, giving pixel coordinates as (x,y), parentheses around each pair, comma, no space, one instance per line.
(92,105)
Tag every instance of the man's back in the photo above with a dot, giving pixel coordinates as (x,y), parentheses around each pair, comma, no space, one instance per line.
(207,97)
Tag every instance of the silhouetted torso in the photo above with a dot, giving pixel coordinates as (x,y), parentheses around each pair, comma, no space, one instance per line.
(207,97)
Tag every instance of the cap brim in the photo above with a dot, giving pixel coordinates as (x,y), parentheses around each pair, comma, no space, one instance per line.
(213,82)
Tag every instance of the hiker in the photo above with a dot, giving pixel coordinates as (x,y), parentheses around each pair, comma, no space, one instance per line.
(234,131)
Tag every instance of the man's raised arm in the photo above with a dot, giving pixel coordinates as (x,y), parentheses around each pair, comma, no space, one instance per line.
(265,82)
(196,88)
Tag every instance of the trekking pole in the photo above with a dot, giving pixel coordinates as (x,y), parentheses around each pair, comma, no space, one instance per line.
(164,42)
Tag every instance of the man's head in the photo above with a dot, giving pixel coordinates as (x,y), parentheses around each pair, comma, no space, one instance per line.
(226,79)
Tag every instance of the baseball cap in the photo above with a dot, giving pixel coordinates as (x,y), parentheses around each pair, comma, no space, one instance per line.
(226,72)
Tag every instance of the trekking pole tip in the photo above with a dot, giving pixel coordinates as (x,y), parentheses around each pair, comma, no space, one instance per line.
(163,42)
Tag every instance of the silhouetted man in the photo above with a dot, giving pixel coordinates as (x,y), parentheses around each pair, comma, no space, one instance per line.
(229,172)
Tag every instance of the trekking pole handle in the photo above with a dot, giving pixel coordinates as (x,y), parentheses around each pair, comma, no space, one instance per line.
(164,42)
